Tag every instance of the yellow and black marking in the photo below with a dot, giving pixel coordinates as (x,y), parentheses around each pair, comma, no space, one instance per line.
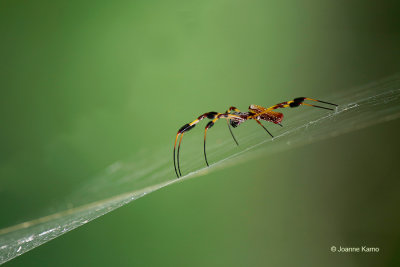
(185,128)
(235,117)
(300,101)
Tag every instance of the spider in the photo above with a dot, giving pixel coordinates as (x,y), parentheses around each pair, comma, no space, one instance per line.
(234,117)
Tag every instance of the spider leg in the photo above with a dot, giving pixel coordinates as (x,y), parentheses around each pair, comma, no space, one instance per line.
(321,101)
(176,139)
(306,104)
(211,124)
(179,148)
(300,101)
(178,170)
(185,128)
(229,122)
(230,130)
(264,127)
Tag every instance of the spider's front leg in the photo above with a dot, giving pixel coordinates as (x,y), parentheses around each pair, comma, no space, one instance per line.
(185,128)
(228,117)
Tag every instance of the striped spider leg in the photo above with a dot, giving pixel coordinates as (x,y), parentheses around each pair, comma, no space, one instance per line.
(213,116)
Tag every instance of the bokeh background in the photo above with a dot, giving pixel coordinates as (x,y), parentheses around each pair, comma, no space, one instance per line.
(85,84)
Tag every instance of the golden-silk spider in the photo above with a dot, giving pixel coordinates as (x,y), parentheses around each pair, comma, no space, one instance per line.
(235,117)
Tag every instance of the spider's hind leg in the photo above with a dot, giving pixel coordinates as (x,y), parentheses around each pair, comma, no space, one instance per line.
(300,101)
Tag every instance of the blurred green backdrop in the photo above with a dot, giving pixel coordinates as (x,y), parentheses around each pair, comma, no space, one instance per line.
(84,84)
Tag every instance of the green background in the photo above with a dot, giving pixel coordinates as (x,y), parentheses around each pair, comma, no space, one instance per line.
(85,84)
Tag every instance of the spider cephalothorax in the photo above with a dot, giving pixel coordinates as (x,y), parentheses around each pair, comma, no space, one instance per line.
(235,117)
(240,117)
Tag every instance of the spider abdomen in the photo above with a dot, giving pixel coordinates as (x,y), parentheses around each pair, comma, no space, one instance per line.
(271,116)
